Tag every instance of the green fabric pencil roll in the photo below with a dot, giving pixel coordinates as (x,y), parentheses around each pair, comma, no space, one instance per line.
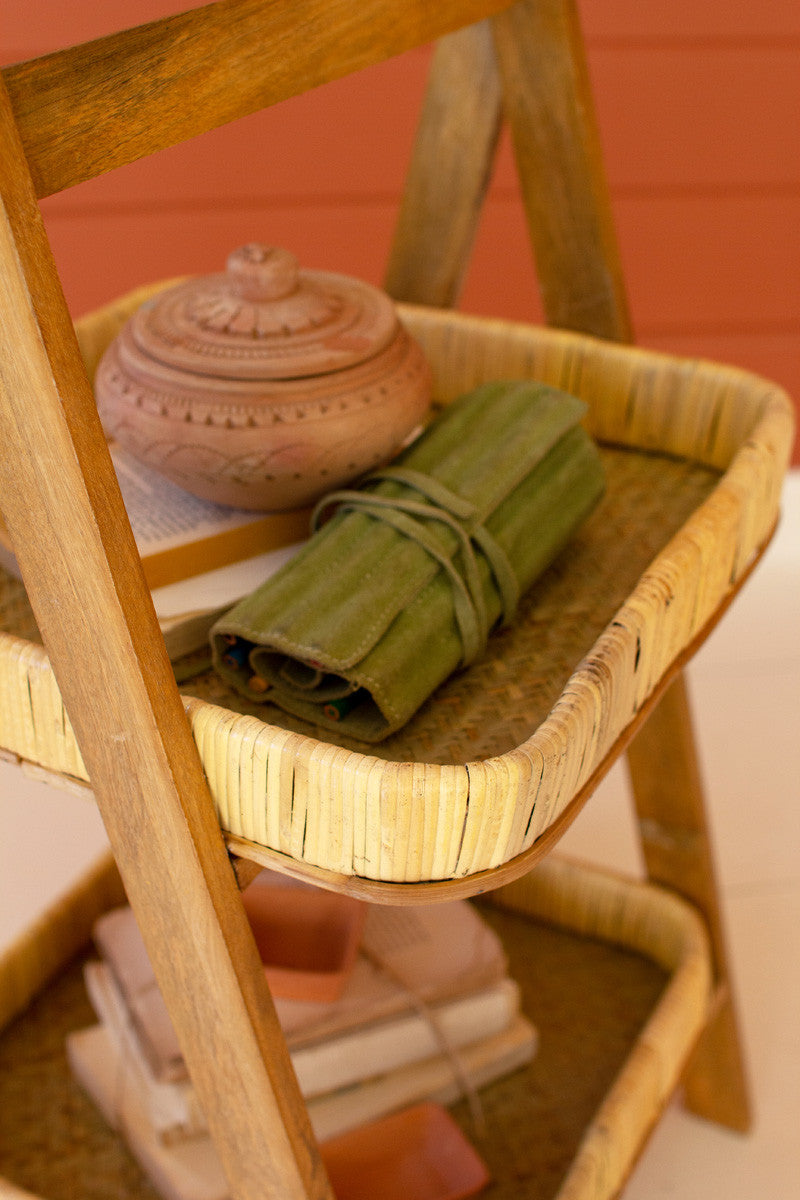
(405,581)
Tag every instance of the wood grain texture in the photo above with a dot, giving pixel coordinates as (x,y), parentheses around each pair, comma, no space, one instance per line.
(449,172)
(78,558)
(9,1191)
(93,107)
(548,104)
(676,841)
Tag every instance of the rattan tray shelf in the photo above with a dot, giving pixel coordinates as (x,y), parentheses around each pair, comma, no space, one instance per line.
(498,761)
(615,975)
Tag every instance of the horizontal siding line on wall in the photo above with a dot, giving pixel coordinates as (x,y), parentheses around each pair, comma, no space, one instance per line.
(11,55)
(708,191)
(752,327)
(63,207)
(657,43)
(734,347)
(689,263)
(720,39)
(58,208)
(692,43)
(25,21)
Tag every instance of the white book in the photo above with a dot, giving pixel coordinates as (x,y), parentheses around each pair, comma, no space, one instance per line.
(323,1067)
(434,1079)
(385,1045)
(181,536)
(190,1170)
(199,557)
(187,1170)
(171,1108)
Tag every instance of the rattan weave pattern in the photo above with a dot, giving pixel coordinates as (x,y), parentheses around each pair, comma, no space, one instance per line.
(15,611)
(589,1022)
(73,1152)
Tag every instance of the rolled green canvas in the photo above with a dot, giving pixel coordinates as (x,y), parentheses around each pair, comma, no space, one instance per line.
(404,583)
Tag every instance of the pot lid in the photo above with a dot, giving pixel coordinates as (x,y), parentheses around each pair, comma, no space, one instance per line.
(264,318)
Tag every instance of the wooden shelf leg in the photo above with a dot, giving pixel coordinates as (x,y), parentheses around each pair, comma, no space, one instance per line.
(78,558)
(450,170)
(676,842)
(548,102)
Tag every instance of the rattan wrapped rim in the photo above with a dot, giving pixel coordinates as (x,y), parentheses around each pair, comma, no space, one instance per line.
(416,821)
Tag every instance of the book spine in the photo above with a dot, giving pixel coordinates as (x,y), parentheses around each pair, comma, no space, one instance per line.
(173,1108)
(432,1079)
(367,1052)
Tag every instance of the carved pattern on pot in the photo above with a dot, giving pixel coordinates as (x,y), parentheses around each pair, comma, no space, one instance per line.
(266,386)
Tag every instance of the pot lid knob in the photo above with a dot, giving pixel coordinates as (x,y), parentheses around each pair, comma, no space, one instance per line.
(261,273)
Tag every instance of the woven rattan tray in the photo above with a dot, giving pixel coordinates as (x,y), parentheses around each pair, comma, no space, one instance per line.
(615,975)
(501,756)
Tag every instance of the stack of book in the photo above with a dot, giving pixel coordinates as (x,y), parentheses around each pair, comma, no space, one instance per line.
(427,1011)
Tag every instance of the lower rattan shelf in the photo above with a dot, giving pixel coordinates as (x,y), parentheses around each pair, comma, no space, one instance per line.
(615,975)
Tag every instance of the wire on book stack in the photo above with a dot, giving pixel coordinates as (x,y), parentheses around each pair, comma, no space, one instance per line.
(426,1011)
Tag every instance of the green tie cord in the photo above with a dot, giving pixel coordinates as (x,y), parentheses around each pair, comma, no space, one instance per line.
(404,583)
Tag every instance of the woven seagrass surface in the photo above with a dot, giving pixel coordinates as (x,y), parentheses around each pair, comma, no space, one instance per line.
(15,611)
(52,1140)
(504,696)
(588,1000)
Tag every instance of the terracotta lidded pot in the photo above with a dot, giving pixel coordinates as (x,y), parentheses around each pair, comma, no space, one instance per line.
(265,386)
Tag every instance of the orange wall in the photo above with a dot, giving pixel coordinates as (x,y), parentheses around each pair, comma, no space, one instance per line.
(699,111)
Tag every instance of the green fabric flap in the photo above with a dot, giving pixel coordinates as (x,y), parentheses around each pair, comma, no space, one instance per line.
(403,584)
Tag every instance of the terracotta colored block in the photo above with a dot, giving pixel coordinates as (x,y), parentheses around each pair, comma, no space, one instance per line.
(417,1154)
(307,938)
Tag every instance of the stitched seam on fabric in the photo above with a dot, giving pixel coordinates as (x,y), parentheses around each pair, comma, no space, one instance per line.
(401,515)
